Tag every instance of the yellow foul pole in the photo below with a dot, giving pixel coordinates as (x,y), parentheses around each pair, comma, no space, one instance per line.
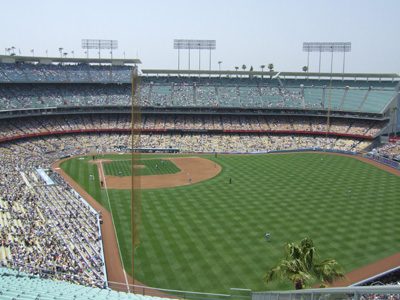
(132,181)
(135,157)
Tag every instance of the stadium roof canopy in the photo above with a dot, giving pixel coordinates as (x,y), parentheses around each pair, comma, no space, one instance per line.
(274,74)
(68,60)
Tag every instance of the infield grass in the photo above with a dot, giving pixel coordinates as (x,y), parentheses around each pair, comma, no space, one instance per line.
(210,236)
(150,167)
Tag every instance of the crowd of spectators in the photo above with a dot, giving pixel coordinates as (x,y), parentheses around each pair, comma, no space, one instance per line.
(186,132)
(49,226)
(41,225)
(391,278)
(390,150)
(247,142)
(164,94)
(32,85)
(194,142)
(46,95)
(16,127)
(217,95)
(44,225)
(66,73)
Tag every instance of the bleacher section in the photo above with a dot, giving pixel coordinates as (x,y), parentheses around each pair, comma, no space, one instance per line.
(175,123)
(193,142)
(83,85)
(333,98)
(48,226)
(353,99)
(74,73)
(19,285)
(377,99)
(314,97)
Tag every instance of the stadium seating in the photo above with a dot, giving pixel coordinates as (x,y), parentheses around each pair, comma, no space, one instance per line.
(86,88)
(36,73)
(15,284)
(238,115)
(377,100)
(353,99)
(20,127)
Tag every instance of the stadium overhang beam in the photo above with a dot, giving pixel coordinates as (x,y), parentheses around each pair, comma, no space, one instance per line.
(300,75)
(355,76)
(54,60)
(205,72)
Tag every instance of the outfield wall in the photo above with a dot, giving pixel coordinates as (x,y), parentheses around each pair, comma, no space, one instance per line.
(384,160)
(286,151)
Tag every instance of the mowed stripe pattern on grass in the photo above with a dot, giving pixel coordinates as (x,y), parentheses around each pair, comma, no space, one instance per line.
(80,170)
(150,167)
(223,225)
(210,236)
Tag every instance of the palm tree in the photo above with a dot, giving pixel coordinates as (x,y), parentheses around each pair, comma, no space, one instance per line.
(262,70)
(299,266)
(236,68)
(60,49)
(219,63)
(271,69)
(244,67)
(305,69)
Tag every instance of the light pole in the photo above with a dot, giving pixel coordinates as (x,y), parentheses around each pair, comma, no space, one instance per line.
(99,44)
(194,44)
(326,47)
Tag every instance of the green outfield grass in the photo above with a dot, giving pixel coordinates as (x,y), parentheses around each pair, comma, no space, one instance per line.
(210,236)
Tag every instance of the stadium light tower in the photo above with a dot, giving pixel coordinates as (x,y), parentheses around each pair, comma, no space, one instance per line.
(194,44)
(99,44)
(326,47)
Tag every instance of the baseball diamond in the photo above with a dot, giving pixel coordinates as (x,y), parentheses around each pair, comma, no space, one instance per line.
(248,187)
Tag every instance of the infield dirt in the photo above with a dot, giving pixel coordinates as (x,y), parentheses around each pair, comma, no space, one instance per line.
(194,168)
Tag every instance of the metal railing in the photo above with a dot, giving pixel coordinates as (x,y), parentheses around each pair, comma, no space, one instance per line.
(389,292)
(58,273)
(351,293)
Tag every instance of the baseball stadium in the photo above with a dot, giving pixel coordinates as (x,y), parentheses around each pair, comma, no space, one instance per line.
(125,183)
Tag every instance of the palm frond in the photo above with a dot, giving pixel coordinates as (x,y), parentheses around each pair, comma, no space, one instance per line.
(329,270)
(299,265)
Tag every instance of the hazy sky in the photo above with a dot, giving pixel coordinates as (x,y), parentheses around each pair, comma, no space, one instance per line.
(250,32)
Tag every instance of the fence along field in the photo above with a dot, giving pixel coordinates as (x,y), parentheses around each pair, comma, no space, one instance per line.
(210,236)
